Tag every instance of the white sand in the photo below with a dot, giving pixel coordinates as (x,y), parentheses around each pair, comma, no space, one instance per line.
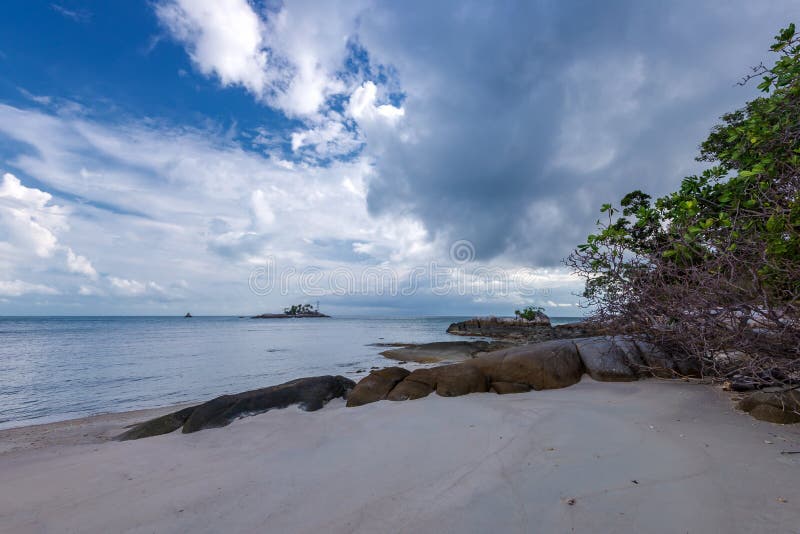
(480,463)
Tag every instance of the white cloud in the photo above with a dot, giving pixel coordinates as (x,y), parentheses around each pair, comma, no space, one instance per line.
(27,219)
(223,38)
(363,108)
(134,288)
(29,224)
(17,288)
(290,57)
(80,265)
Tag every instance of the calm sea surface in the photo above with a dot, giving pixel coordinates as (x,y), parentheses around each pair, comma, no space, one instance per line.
(57,368)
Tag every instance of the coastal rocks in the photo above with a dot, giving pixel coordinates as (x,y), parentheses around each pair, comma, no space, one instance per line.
(448,381)
(309,394)
(458,379)
(410,389)
(441,351)
(504,388)
(506,328)
(655,361)
(376,386)
(773,406)
(549,365)
(522,331)
(303,315)
(608,359)
(160,425)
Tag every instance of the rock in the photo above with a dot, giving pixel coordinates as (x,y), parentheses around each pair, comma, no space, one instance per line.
(376,386)
(522,331)
(605,360)
(773,406)
(448,381)
(309,393)
(160,425)
(508,328)
(458,379)
(655,360)
(409,389)
(504,388)
(549,365)
(442,351)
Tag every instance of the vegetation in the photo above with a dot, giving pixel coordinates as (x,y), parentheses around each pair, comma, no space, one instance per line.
(299,309)
(530,313)
(711,272)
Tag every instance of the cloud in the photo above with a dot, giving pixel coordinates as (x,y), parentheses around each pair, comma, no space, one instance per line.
(16,288)
(28,219)
(223,38)
(409,127)
(76,15)
(79,264)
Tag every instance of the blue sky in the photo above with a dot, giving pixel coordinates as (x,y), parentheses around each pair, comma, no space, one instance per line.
(165,156)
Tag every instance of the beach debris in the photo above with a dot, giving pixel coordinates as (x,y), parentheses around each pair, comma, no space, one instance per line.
(571,501)
(782,500)
(635,481)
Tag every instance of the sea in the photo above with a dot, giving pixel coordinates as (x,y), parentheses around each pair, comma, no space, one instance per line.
(59,368)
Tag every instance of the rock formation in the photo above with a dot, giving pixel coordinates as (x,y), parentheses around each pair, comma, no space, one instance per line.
(309,394)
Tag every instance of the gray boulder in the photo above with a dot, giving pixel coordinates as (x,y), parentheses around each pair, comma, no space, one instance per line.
(606,360)
(160,425)
(308,393)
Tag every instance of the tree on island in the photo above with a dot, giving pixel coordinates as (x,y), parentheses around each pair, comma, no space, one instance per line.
(530,313)
(711,272)
(300,309)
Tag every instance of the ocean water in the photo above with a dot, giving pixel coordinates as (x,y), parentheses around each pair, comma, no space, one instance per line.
(58,368)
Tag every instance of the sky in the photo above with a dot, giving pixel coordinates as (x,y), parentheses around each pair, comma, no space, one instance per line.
(227,157)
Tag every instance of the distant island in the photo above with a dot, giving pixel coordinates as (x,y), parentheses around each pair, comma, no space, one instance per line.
(294,311)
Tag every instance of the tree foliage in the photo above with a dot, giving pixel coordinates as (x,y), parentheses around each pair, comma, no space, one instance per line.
(715,266)
(529,313)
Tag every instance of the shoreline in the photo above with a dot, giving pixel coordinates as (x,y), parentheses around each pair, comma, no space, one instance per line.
(87,430)
(655,456)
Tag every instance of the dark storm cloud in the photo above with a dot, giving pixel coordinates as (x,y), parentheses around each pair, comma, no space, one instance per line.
(527,116)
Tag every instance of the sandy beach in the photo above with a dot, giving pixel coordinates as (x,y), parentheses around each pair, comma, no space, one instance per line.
(649,456)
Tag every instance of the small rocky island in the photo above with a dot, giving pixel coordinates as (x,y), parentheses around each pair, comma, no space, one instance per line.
(294,311)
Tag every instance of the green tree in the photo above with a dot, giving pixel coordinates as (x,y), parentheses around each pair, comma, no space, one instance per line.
(715,264)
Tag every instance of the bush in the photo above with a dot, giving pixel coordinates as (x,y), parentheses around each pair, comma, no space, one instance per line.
(714,267)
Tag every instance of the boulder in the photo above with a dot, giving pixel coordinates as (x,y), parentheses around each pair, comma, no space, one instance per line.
(605,360)
(308,393)
(773,406)
(376,386)
(655,360)
(458,379)
(160,425)
(448,381)
(549,365)
(409,389)
(504,388)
